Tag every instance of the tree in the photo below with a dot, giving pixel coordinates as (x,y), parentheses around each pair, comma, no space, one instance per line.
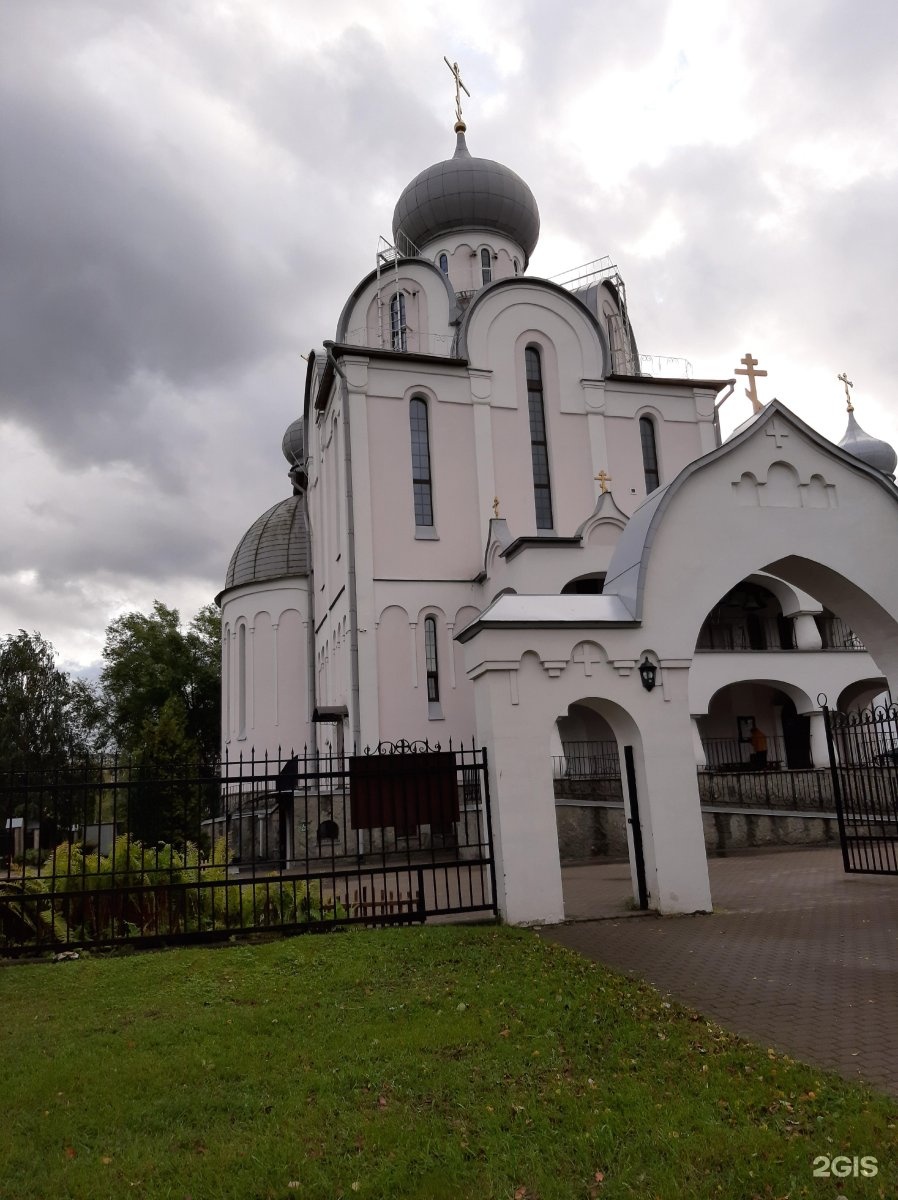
(150,662)
(45,718)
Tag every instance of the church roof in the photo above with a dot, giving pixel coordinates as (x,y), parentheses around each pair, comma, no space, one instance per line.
(275,546)
(464,192)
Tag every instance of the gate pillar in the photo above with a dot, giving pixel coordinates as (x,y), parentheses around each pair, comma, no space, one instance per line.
(525,832)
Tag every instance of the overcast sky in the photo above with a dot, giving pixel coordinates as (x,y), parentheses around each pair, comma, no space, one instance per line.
(190,189)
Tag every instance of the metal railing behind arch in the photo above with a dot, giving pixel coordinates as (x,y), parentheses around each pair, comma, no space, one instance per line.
(863,754)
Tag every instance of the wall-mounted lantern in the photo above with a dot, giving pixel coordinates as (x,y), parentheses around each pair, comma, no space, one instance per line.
(647,673)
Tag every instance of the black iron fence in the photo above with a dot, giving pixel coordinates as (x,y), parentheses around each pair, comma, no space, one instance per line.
(729,754)
(799,791)
(836,635)
(587,760)
(863,749)
(112,850)
(748,633)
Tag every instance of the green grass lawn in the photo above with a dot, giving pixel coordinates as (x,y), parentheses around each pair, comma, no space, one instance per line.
(445,1062)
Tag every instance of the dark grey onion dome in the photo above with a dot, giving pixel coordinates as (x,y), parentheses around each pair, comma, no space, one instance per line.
(275,546)
(871,450)
(467,193)
(294,443)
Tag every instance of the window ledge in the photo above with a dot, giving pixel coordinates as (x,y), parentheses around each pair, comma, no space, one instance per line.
(426,533)
(434,711)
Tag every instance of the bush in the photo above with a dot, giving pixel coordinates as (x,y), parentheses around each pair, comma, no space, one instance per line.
(144,891)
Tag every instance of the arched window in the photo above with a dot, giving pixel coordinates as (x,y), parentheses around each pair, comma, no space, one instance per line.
(397,322)
(517,267)
(430,660)
(444,264)
(539,448)
(486,265)
(649,453)
(421,483)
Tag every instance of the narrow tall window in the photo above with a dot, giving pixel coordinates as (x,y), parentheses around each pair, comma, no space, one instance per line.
(517,267)
(649,453)
(397,322)
(430,659)
(444,264)
(241,681)
(486,266)
(421,483)
(337,498)
(538,445)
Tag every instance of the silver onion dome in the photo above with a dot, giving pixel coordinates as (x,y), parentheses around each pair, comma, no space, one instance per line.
(464,192)
(873,451)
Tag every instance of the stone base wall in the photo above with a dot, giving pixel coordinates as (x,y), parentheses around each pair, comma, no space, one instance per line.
(596,831)
(590,832)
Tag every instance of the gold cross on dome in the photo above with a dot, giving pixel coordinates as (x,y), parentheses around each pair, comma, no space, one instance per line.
(848,384)
(604,479)
(460,126)
(496,507)
(751,391)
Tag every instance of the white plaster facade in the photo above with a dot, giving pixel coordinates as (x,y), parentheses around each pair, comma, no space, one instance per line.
(777,507)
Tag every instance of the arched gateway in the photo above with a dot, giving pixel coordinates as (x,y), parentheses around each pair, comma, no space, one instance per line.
(776,498)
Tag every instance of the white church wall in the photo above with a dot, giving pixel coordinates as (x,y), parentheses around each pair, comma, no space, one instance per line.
(463,253)
(454,548)
(405,711)
(367,323)
(265,696)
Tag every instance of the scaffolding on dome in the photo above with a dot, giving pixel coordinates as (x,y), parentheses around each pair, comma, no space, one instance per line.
(387,261)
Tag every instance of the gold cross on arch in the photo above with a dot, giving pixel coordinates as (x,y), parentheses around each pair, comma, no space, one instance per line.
(751,391)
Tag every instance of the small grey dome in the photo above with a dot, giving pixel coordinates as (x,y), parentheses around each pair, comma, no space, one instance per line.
(294,443)
(871,450)
(467,193)
(275,546)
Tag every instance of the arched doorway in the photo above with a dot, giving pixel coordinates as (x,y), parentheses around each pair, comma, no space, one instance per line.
(597,814)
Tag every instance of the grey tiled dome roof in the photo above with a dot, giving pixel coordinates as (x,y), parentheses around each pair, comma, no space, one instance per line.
(467,193)
(871,450)
(274,546)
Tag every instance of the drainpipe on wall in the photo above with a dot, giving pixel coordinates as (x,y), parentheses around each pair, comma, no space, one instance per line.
(310,635)
(731,383)
(354,701)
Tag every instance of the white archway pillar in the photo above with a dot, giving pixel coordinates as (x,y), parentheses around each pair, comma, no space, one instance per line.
(819,749)
(525,831)
(669,806)
(698,746)
(807,635)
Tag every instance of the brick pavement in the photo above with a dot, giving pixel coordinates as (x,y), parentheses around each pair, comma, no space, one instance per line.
(798,955)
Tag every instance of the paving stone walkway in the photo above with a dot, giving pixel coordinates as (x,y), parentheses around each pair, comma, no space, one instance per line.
(797,956)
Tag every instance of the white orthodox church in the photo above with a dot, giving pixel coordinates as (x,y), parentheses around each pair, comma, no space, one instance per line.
(503,528)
